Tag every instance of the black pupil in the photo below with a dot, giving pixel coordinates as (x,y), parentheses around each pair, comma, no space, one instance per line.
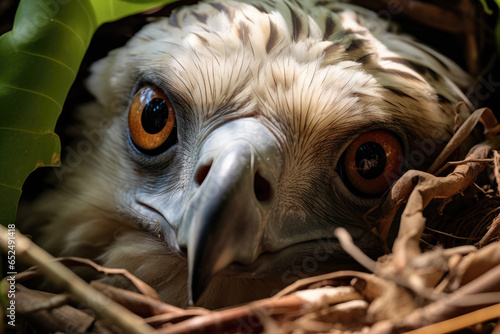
(154,116)
(370,160)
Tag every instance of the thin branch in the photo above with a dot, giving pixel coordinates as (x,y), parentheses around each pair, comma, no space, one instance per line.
(60,275)
(463,321)
(353,250)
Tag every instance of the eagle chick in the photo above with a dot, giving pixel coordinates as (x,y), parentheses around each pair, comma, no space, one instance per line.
(234,137)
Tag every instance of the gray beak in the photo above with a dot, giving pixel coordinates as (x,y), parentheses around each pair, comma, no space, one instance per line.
(232,191)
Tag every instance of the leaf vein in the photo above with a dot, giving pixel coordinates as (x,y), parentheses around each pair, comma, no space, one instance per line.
(111,8)
(34,92)
(9,186)
(73,31)
(27,131)
(50,58)
(92,25)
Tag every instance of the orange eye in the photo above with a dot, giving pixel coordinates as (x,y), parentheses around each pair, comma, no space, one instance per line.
(372,162)
(151,120)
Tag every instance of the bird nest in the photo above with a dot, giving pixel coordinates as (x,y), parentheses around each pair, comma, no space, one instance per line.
(420,286)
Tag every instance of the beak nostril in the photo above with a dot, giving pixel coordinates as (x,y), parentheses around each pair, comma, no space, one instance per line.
(262,188)
(202,174)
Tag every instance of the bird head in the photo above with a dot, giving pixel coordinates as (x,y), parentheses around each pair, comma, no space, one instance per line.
(235,137)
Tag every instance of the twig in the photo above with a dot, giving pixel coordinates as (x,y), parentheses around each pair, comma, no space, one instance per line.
(214,322)
(480,189)
(60,275)
(455,304)
(353,250)
(140,285)
(63,318)
(496,170)
(493,231)
(459,137)
(49,303)
(174,318)
(447,234)
(462,162)
(135,302)
(460,322)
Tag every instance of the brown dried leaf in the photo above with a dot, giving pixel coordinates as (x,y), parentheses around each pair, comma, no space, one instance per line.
(419,188)
(490,123)
(483,115)
(474,265)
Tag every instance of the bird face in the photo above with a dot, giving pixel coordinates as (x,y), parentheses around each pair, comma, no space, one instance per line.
(235,137)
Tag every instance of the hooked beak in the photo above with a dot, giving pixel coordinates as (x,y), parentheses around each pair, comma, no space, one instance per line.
(233,188)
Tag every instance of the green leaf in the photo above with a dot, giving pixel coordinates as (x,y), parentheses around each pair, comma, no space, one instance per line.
(497,27)
(497,34)
(486,8)
(489,11)
(39,60)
